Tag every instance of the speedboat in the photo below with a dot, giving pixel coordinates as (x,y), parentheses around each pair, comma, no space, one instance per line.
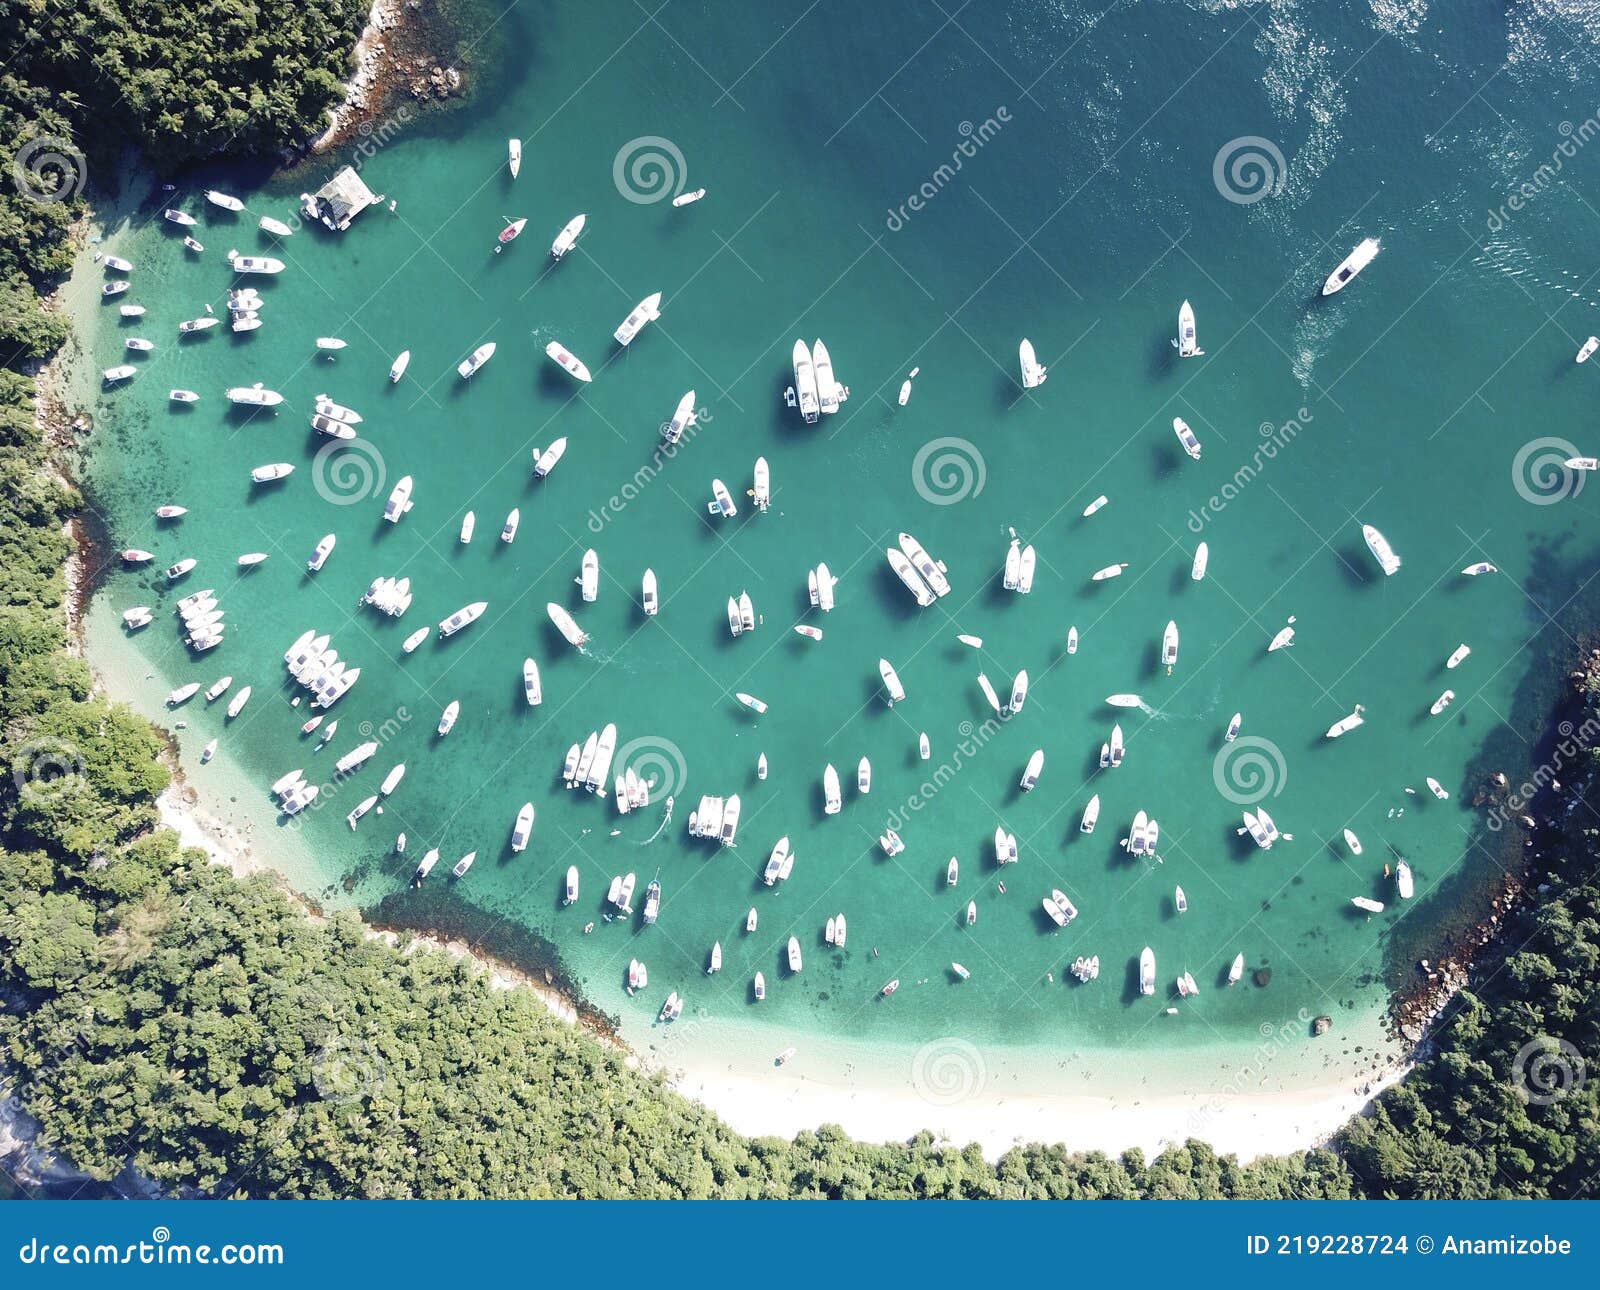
(1282,640)
(192,325)
(571,891)
(1019,692)
(255,396)
(414,641)
(208,752)
(909,576)
(987,687)
(1115,747)
(1232,732)
(864,776)
(831,800)
(1236,969)
(360,809)
(137,617)
(463,617)
(1353,842)
(589,576)
(531,689)
(822,592)
(779,862)
(1345,724)
(1123,700)
(1185,339)
(1589,347)
(809,632)
(178,217)
(138,344)
(1033,371)
(1095,505)
(247,321)
(319,557)
(326,407)
(523,828)
(932,572)
(182,396)
(564,358)
(568,237)
(447,718)
(544,462)
(176,571)
(805,384)
(1367,904)
(1442,702)
(750,701)
(952,871)
(891,682)
(682,418)
(1109,572)
(1202,555)
(399,501)
(1025,569)
(128,311)
(508,531)
(1186,437)
(672,1009)
(254,263)
(473,361)
(224,200)
(1091,815)
(1437,789)
(649,600)
(121,372)
(397,369)
(116,288)
(1366,251)
(183,694)
(761,486)
(461,866)
(1456,657)
(759,986)
(1483,566)
(1147,971)
(721,502)
(1169,646)
(1005,847)
(905,387)
(575,635)
(274,226)
(250,559)
(827,388)
(690,198)
(193,245)
(1030,773)
(924,751)
(646,311)
(1011,574)
(117,264)
(1382,552)
(1402,880)
(425,867)
(795,962)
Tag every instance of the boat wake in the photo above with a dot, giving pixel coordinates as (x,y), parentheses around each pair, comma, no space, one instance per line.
(666,819)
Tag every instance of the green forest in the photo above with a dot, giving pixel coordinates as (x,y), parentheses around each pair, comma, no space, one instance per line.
(156,1011)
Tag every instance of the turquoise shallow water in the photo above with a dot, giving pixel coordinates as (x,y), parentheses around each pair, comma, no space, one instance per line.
(1084,209)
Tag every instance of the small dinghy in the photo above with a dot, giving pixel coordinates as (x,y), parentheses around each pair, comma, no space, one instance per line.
(509,233)
(1367,904)
(1353,842)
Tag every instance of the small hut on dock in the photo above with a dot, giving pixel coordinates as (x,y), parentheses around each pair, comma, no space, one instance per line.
(339,200)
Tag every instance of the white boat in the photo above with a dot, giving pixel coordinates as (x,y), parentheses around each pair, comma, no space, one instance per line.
(1033,371)
(119,373)
(191,325)
(779,862)
(1109,572)
(908,575)
(1180,902)
(750,701)
(721,503)
(181,567)
(473,361)
(1005,847)
(1382,552)
(182,396)
(254,263)
(795,961)
(761,487)
(276,227)
(116,288)
(891,682)
(952,871)
(139,345)
(1169,646)
(514,156)
(759,986)
(805,384)
(568,237)
(905,387)
(649,600)
(1282,640)
(250,559)
(1367,904)
(808,631)
(425,867)
(462,865)
(463,617)
(564,358)
(830,930)
(1025,569)
(361,808)
(1589,347)
(1147,971)
(646,311)
(690,198)
(1437,789)
(330,344)
(1366,251)
(1019,692)
(179,218)
(256,396)
(1402,880)
(971,915)
(531,689)
(510,232)
(1483,566)
(840,930)
(987,687)
(247,321)
(1030,773)
(1185,339)
(1457,656)
(1582,463)
(224,200)
(864,776)
(761,767)
(1353,842)
(137,617)
(683,417)
(1011,572)
(574,635)
(570,892)
(828,391)
(117,264)
(523,828)
(1091,815)
(589,576)
(413,642)
(1054,912)
(1442,702)
(544,462)
(399,501)
(1202,556)
(508,531)
(397,369)
(127,311)
(924,750)
(822,588)
(1232,732)
(831,800)
(1186,437)
(447,719)
(333,429)
(1345,724)
(326,407)
(183,694)
(1095,505)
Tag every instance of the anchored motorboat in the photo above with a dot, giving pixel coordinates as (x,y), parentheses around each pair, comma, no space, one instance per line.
(1033,371)
(1366,251)
(473,361)
(568,237)
(805,384)
(1186,437)
(1185,339)
(1382,552)
(646,311)
(564,358)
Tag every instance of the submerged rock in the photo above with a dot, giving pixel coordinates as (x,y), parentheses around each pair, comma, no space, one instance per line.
(1321,1025)
(1261,976)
